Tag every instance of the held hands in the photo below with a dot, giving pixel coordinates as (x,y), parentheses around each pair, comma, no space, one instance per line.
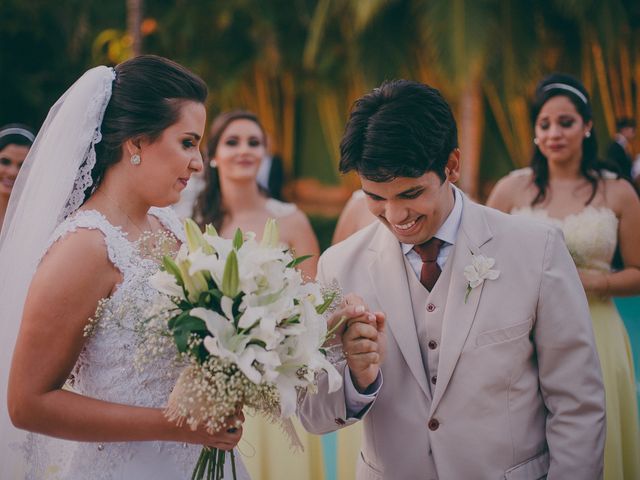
(363,339)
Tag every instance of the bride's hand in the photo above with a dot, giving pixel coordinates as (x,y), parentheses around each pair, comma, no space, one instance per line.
(594,281)
(224,439)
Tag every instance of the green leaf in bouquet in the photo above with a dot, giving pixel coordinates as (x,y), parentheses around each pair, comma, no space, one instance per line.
(260,343)
(181,337)
(292,320)
(298,261)
(231,276)
(171,267)
(191,324)
(172,322)
(327,303)
(235,309)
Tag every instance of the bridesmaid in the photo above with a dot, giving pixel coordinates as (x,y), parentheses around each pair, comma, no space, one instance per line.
(566,186)
(232,199)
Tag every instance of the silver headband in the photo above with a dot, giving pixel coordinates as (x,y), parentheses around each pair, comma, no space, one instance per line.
(568,88)
(18,131)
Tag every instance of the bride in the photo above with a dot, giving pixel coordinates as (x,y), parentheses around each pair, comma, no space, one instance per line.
(77,246)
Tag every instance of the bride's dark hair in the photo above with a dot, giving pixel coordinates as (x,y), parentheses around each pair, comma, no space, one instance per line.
(147,94)
(590,167)
(209,207)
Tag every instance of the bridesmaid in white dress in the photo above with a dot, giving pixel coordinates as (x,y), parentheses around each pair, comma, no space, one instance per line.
(232,199)
(566,187)
(118,145)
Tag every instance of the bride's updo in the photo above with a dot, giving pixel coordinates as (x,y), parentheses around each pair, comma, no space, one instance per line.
(146,98)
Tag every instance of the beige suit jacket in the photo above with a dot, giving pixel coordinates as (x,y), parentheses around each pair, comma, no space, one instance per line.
(519,392)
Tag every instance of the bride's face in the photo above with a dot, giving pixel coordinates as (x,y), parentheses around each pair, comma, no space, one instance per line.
(11,158)
(168,162)
(240,150)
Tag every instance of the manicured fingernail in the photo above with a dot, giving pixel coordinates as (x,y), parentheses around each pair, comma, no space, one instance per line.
(371,317)
(360,309)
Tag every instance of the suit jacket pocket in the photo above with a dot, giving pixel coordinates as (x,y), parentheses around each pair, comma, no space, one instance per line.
(504,334)
(366,471)
(533,469)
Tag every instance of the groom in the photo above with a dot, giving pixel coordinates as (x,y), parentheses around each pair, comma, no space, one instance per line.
(488,369)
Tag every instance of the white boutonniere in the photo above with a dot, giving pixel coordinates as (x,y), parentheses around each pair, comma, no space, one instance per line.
(479,271)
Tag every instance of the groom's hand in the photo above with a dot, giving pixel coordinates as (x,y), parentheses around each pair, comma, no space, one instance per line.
(364,344)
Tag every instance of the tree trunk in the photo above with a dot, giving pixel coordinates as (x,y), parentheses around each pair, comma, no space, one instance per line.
(471,123)
(134,20)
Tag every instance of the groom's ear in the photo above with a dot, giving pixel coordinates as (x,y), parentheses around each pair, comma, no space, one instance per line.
(452,169)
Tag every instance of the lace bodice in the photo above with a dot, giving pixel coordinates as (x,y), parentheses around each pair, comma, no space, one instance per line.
(106,370)
(591,235)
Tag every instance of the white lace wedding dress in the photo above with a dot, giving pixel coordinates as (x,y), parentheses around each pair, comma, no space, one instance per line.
(105,370)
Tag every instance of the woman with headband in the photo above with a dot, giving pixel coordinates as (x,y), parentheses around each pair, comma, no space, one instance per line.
(567,186)
(15,141)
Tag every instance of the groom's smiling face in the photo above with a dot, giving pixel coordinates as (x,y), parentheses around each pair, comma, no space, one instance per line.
(413,208)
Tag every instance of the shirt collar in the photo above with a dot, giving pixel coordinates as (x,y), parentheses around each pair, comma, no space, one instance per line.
(448,231)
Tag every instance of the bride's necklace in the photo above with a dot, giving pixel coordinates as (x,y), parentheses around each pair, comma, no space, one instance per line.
(121,210)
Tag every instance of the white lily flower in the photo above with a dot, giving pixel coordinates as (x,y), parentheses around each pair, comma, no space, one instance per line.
(166,283)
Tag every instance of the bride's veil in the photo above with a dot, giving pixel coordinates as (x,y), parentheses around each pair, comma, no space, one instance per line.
(50,186)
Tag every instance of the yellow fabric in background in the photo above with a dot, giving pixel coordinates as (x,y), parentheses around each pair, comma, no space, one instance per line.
(267,455)
(349,440)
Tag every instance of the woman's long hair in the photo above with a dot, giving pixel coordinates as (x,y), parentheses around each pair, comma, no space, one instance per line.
(209,206)
(590,166)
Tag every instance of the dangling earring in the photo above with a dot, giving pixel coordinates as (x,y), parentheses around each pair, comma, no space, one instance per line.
(535,140)
(587,134)
(213,163)
(135,159)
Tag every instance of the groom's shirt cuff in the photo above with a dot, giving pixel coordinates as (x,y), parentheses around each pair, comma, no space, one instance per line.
(357,403)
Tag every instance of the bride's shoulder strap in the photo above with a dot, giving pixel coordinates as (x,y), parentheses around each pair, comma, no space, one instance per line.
(169,220)
(119,249)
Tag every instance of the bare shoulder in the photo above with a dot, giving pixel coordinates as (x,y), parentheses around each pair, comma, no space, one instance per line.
(620,195)
(295,219)
(77,257)
(507,191)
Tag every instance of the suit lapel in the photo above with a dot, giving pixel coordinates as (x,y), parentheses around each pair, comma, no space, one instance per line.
(459,315)
(387,267)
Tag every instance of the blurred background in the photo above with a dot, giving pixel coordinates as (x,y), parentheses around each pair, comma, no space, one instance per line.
(299,64)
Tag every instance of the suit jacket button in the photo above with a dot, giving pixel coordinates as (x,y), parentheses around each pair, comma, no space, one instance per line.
(433,424)
(431,307)
(434,379)
(432,344)
(340,421)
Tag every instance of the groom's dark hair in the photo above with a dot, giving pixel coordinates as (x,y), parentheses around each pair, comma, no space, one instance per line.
(401,129)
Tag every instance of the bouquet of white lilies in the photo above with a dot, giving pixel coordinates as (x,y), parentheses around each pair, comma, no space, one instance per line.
(249,327)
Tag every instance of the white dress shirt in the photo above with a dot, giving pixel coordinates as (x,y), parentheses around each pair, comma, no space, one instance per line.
(448,231)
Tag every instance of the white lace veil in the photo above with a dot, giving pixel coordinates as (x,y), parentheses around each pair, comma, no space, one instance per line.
(50,186)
